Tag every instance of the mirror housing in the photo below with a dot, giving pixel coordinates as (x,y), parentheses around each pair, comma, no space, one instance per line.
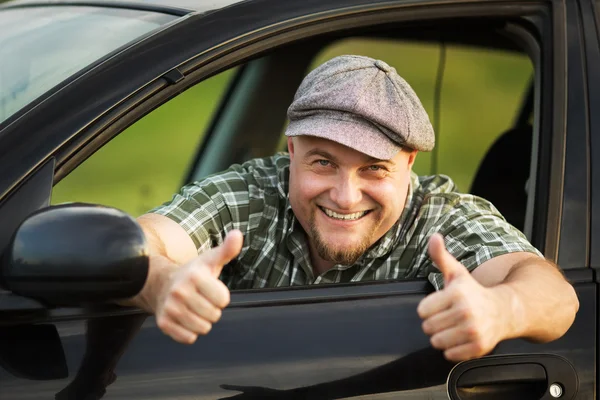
(76,254)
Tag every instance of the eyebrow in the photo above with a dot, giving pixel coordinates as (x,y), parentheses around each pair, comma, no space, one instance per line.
(329,156)
(379,160)
(321,153)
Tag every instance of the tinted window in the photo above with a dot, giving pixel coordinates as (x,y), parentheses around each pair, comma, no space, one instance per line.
(42,46)
(145,164)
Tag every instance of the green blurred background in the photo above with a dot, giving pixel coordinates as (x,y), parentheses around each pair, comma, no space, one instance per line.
(480,96)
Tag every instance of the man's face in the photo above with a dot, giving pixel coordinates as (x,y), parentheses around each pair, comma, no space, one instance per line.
(345,200)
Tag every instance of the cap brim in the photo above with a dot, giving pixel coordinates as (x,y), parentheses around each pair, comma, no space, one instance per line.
(360,136)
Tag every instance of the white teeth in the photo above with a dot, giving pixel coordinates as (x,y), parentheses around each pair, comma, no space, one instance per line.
(350,217)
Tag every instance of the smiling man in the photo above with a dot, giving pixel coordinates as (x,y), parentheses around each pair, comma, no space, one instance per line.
(344,206)
(344,200)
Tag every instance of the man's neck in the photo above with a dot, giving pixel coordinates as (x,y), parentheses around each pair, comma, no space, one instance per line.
(319,265)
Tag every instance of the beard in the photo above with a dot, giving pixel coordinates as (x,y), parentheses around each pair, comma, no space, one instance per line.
(344,256)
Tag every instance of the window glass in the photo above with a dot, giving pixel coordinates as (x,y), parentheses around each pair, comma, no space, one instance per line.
(145,164)
(479,97)
(42,46)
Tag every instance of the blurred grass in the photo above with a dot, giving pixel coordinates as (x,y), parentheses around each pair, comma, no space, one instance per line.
(145,165)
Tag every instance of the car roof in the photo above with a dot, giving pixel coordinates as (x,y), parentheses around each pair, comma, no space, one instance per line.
(199,6)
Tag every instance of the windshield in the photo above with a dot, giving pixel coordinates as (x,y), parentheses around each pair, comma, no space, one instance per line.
(42,46)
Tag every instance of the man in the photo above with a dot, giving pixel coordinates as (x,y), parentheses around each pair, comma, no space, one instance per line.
(344,206)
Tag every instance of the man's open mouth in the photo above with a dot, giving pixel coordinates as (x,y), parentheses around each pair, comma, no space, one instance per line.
(344,217)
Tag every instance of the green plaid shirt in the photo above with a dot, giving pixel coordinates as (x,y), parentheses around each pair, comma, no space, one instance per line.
(253,197)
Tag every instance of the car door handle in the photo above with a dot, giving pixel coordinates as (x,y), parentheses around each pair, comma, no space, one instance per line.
(503,381)
(541,376)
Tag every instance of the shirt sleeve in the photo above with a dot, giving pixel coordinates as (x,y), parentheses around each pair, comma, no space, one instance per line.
(474,232)
(208,210)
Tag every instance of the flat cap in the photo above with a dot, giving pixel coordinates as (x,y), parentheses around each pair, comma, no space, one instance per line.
(361,103)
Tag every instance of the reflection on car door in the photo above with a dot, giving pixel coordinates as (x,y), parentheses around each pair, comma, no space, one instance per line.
(327,342)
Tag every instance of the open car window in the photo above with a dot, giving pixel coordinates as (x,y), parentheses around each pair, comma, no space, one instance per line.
(474,95)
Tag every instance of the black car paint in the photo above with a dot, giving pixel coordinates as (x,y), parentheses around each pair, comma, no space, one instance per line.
(332,341)
(44,260)
(591,19)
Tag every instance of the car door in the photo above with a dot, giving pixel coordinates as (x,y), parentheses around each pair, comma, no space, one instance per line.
(336,341)
(590,21)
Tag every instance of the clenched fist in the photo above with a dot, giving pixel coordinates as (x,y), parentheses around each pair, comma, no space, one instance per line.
(465,319)
(193,297)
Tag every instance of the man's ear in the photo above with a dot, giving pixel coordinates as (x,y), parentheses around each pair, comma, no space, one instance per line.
(411,158)
(290,143)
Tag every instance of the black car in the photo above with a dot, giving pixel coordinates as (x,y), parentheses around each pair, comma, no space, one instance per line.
(78,77)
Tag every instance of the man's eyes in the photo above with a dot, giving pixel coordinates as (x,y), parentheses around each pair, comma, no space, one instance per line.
(376,168)
(371,168)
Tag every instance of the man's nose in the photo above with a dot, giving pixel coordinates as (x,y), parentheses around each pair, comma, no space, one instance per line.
(347,193)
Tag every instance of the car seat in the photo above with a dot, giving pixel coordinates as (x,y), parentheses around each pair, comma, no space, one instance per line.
(503,173)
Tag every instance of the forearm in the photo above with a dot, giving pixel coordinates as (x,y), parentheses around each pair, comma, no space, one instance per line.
(159,272)
(160,267)
(540,305)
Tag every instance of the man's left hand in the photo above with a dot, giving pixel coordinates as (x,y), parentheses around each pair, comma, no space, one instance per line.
(465,319)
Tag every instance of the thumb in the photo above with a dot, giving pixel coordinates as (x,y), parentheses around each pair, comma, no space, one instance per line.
(449,266)
(217,257)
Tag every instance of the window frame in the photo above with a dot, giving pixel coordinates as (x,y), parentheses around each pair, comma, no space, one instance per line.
(196,71)
(535,225)
(590,12)
(235,52)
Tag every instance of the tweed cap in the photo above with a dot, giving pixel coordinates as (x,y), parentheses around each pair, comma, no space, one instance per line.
(361,103)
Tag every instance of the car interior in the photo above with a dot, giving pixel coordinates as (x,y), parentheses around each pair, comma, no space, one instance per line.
(252,115)
(506,184)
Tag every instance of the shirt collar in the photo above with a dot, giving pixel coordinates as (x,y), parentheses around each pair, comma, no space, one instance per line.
(283,179)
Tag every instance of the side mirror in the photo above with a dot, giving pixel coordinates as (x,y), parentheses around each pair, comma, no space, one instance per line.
(74,254)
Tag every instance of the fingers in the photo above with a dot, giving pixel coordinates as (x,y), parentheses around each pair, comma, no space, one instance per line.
(463,319)
(464,352)
(204,308)
(449,338)
(193,299)
(186,319)
(461,342)
(460,330)
(193,303)
(211,288)
(444,261)
(434,303)
(442,320)
(175,330)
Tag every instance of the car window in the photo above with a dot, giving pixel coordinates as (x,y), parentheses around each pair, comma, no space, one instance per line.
(472,94)
(479,93)
(42,46)
(145,164)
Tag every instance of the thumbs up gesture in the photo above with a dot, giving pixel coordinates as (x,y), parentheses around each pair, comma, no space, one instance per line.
(465,319)
(192,298)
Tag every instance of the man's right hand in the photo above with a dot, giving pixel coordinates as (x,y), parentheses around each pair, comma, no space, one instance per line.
(193,297)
